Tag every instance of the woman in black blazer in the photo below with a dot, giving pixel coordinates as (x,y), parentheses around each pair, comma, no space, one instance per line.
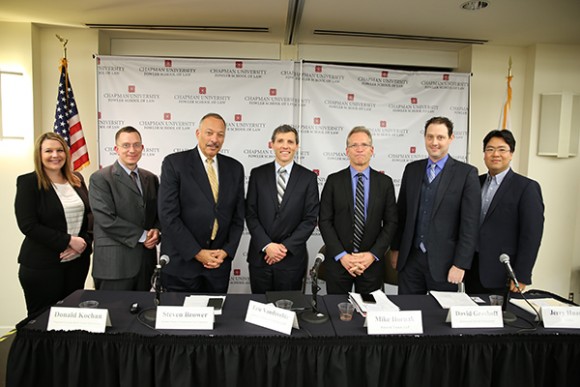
(52,211)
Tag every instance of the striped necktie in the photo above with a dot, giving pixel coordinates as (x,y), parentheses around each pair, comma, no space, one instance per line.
(359,212)
(281,184)
(431,173)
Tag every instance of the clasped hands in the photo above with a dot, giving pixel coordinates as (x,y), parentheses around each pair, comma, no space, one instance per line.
(356,263)
(275,252)
(76,246)
(211,259)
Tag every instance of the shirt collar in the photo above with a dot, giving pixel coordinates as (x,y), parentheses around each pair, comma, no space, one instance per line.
(441,163)
(500,176)
(366,173)
(287,167)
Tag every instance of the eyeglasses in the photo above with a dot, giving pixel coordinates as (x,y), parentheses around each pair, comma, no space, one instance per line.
(136,145)
(491,150)
(356,146)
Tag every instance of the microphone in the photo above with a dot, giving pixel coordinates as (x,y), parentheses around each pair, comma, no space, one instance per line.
(163,260)
(505,259)
(317,262)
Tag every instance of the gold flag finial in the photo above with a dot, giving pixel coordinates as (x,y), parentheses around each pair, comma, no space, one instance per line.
(64,43)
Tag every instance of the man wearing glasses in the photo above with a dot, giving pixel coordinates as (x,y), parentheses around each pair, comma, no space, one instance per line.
(123,198)
(512,220)
(439,204)
(358,218)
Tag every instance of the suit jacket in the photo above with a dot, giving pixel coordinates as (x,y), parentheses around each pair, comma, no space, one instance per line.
(121,215)
(187,210)
(290,223)
(454,222)
(513,225)
(337,214)
(40,217)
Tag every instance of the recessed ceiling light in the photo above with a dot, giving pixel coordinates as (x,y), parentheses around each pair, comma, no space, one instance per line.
(474,5)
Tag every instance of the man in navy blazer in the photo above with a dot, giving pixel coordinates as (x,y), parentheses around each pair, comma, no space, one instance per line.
(126,226)
(439,203)
(201,234)
(281,213)
(345,263)
(512,220)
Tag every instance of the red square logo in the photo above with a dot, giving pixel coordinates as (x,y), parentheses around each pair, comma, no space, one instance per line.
(239,64)
(237,117)
(202,90)
(316,120)
(273,92)
(413,149)
(384,74)
(168,63)
(383,172)
(98,61)
(318,69)
(131,88)
(350,97)
(166,116)
(383,124)
(237,272)
(445,77)
(414,100)
(99,115)
(317,171)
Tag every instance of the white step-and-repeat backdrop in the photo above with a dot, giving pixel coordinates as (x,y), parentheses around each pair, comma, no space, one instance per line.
(164,98)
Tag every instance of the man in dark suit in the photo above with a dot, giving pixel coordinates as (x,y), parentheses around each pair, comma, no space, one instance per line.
(438,206)
(512,220)
(358,218)
(281,211)
(201,207)
(123,198)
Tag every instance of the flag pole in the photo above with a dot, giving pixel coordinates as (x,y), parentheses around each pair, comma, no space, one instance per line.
(508,102)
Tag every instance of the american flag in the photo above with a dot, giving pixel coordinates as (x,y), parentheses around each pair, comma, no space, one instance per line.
(67,122)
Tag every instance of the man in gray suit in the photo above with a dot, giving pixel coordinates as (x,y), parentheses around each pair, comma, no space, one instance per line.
(123,198)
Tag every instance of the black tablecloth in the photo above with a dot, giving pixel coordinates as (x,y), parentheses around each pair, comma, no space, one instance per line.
(335,353)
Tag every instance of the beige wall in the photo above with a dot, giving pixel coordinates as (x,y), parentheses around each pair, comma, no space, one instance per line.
(535,69)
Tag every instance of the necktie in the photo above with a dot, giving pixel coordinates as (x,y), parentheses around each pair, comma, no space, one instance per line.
(213,182)
(486,197)
(359,212)
(281,184)
(431,172)
(135,181)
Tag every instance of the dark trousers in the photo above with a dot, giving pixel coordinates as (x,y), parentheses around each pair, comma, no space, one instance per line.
(415,278)
(473,283)
(272,278)
(45,287)
(339,281)
(207,281)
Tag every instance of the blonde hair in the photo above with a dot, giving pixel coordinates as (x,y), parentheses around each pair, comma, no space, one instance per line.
(44,181)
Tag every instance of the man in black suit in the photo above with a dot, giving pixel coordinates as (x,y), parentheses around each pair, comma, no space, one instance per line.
(512,220)
(439,204)
(358,218)
(201,207)
(126,229)
(281,212)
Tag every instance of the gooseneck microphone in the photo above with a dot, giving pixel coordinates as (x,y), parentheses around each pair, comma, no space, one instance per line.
(505,259)
(314,315)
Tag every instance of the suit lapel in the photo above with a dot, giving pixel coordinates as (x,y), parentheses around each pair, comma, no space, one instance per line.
(347,184)
(124,178)
(290,186)
(270,179)
(503,188)
(446,176)
(373,190)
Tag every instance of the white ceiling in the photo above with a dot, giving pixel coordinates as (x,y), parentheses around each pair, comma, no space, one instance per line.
(503,22)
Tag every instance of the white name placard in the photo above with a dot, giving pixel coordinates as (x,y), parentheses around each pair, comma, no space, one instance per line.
(270,317)
(476,316)
(394,322)
(184,317)
(83,319)
(561,317)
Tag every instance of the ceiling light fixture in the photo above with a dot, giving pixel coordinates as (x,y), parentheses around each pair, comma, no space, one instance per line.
(475,5)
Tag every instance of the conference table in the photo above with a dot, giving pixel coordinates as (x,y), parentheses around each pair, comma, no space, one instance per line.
(331,353)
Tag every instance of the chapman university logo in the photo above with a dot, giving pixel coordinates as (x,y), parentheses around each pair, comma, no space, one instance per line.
(202,97)
(110,124)
(384,131)
(131,96)
(350,103)
(238,125)
(166,70)
(445,83)
(167,124)
(413,106)
(238,71)
(382,80)
(272,99)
